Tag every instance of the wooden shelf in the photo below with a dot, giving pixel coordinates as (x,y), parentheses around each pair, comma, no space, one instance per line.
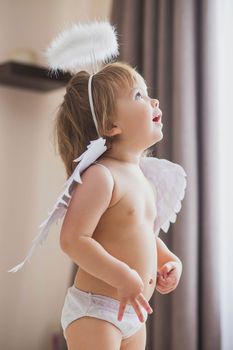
(27,76)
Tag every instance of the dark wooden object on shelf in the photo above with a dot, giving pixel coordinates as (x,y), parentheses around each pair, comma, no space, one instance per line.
(27,76)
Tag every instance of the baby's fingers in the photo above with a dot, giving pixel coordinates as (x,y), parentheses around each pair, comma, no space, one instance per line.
(145,303)
(121,310)
(137,308)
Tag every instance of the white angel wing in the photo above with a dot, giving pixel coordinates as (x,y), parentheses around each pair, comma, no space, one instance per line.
(93,152)
(169,181)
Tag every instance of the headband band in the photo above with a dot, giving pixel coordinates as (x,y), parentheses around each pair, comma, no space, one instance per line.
(91,104)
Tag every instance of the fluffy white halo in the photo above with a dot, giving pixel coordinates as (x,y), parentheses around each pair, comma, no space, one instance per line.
(83,45)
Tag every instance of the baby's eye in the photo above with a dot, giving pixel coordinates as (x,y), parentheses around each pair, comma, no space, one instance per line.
(138,95)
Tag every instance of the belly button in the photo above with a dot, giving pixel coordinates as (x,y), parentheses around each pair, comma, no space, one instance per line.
(151,281)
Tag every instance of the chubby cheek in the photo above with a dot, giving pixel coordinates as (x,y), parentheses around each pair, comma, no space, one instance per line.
(143,133)
(137,121)
(139,126)
(144,123)
(143,118)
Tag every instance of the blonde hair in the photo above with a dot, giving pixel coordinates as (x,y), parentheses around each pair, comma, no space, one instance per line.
(74,127)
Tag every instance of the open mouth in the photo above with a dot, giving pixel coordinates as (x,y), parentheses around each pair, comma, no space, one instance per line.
(157,119)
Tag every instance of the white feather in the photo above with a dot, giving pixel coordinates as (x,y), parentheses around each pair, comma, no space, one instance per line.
(82,45)
(169,180)
(93,152)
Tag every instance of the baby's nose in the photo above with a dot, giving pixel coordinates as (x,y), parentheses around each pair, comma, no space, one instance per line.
(155,102)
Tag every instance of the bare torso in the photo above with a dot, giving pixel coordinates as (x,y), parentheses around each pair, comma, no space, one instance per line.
(125,230)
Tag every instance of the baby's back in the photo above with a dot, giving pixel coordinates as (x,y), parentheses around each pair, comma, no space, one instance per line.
(125,230)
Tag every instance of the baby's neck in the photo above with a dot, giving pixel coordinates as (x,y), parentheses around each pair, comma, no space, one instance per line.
(124,156)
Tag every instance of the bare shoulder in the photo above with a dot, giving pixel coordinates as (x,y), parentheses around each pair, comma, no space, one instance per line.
(110,163)
(113,168)
(97,185)
(94,191)
(95,174)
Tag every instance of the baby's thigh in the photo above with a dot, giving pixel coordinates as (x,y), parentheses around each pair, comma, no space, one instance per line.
(136,341)
(88,333)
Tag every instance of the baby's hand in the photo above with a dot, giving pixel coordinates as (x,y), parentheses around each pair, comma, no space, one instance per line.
(168,277)
(131,291)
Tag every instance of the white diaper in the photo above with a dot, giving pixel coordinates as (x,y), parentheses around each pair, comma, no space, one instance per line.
(79,303)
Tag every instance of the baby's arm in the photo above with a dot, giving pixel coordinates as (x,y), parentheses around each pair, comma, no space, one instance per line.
(164,254)
(169,268)
(88,203)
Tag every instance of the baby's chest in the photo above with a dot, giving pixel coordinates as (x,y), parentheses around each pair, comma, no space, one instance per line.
(138,202)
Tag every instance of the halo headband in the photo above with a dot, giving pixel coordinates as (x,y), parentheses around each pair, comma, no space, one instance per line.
(83,46)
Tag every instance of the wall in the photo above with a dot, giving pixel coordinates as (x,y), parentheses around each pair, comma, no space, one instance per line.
(31,178)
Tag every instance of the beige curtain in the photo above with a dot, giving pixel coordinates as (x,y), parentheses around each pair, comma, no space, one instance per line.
(172,45)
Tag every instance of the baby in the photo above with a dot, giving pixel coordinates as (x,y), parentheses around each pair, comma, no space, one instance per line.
(108,227)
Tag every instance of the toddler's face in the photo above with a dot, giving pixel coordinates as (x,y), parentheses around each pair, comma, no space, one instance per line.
(135,113)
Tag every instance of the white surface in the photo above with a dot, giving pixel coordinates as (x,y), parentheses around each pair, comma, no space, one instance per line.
(225,159)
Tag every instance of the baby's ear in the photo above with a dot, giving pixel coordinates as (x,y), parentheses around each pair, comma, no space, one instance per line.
(115,130)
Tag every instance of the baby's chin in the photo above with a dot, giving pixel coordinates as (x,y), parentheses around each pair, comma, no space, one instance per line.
(149,149)
(156,138)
